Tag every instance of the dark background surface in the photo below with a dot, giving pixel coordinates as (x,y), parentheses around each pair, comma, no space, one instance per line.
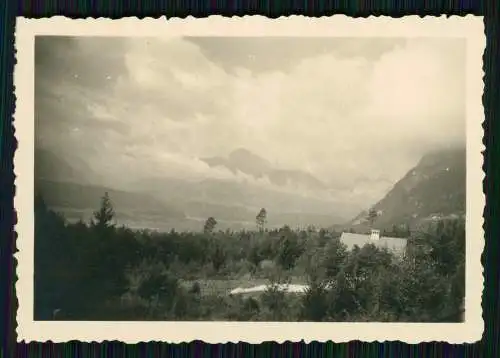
(9,9)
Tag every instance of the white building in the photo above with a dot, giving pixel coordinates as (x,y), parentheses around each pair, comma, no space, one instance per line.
(394,244)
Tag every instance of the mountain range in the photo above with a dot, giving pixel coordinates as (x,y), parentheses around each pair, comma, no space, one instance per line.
(246,162)
(166,202)
(434,187)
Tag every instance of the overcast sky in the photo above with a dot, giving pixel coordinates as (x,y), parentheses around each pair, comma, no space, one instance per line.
(352,112)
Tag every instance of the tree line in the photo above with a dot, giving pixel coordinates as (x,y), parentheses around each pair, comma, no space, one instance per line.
(101,271)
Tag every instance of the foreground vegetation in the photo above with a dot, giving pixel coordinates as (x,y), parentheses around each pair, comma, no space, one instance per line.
(97,271)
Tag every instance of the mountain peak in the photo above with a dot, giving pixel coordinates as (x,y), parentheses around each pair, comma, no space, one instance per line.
(245,161)
(242,151)
(250,163)
(435,157)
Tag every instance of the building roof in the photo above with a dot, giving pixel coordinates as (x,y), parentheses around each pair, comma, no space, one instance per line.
(392,243)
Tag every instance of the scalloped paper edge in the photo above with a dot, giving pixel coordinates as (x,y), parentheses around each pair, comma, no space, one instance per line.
(469,27)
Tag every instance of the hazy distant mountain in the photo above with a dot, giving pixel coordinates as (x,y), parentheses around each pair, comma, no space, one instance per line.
(249,163)
(81,199)
(49,166)
(435,187)
(69,187)
(229,200)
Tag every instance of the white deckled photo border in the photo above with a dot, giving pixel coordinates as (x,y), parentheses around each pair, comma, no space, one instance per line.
(469,27)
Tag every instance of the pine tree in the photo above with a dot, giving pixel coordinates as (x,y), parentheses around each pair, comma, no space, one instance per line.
(261,219)
(209,225)
(103,218)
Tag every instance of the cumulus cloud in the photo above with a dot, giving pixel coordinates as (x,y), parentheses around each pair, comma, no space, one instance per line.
(355,113)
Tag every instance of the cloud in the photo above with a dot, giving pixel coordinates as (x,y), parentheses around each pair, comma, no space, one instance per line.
(268,54)
(357,115)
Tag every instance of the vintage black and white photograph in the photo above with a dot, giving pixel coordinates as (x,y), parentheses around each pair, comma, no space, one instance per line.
(250,178)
